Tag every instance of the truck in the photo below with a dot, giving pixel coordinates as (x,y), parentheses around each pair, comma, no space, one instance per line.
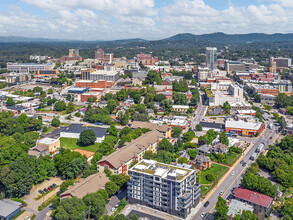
(253,156)
(259,148)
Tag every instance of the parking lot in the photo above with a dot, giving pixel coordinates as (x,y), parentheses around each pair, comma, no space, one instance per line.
(30,199)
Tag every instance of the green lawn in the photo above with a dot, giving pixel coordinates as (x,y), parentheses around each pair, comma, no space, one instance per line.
(72,144)
(231,158)
(51,128)
(217,170)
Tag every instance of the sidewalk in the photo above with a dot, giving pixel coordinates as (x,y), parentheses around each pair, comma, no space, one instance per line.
(210,193)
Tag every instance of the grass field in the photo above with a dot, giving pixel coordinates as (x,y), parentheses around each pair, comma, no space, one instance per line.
(72,144)
(231,158)
(217,170)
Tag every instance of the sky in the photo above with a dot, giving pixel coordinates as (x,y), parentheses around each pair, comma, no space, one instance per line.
(146,19)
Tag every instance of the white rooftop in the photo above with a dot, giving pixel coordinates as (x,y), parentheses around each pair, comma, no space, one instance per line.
(47,141)
(243,125)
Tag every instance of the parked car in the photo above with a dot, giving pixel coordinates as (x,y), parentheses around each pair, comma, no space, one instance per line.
(206,204)
(232,173)
(221,193)
(46,190)
(49,188)
(203,215)
(41,191)
(244,164)
(54,185)
(242,161)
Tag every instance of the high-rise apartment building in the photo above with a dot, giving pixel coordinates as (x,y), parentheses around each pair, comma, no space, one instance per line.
(165,187)
(99,54)
(211,57)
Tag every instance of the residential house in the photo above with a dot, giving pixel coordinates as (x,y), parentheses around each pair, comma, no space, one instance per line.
(219,148)
(91,184)
(120,160)
(88,154)
(204,149)
(237,207)
(201,162)
(262,204)
(38,151)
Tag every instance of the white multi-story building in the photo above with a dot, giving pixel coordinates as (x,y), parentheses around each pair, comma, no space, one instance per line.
(165,187)
(108,75)
(222,92)
(29,67)
(211,57)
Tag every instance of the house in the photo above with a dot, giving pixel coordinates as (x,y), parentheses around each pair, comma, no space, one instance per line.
(136,81)
(74,130)
(38,151)
(88,154)
(91,184)
(236,207)
(262,204)
(9,209)
(166,130)
(204,149)
(52,145)
(167,81)
(219,148)
(127,103)
(201,162)
(120,160)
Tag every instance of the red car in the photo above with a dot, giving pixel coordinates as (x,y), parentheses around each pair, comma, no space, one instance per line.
(49,188)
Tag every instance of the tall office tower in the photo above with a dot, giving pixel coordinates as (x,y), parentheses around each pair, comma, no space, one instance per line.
(165,187)
(211,57)
(99,54)
(73,52)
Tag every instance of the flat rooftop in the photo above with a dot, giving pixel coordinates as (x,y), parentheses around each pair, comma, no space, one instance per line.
(166,171)
(47,141)
(105,72)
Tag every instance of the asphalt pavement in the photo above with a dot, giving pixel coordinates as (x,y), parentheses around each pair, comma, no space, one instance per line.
(234,181)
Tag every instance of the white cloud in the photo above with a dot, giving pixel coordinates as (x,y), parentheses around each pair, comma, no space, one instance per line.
(117,19)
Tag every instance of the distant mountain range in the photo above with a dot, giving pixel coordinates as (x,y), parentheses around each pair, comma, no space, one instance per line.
(185,40)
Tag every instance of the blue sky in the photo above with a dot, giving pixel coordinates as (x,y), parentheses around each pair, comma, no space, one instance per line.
(148,19)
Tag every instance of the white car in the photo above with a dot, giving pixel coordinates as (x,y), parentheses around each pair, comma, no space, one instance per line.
(221,193)
(232,173)
(27,218)
(203,214)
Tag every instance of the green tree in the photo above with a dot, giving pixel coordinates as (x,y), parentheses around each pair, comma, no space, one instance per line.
(182,160)
(112,130)
(227,107)
(164,157)
(50,91)
(224,138)
(10,101)
(55,122)
(176,132)
(111,188)
(65,184)
(70,208)
(221,208)
(188,136)
(97,203)
(60,106)
(87,137)
(246,215)
(180,98)
(192,153)
(198,127)
(165,145)
(210,177)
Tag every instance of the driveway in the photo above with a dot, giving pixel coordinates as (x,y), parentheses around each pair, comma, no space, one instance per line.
(30,199)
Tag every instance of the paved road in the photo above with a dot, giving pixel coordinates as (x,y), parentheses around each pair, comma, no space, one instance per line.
(43,214)
(233,181)
(198,115)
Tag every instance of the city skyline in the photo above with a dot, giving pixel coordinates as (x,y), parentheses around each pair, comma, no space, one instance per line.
(148,19)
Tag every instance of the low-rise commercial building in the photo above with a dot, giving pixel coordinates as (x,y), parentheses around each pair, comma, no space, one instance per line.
(9,209)
(244,128)
(74,130)
(29,67)
(94,84)
(161,186)
(180,108)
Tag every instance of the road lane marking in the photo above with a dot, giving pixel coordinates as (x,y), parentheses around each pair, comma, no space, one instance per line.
(228,188)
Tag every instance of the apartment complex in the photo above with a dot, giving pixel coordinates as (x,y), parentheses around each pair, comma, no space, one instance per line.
(211,57)
(165,187)
(120,160)
(219,93)
(29,67)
